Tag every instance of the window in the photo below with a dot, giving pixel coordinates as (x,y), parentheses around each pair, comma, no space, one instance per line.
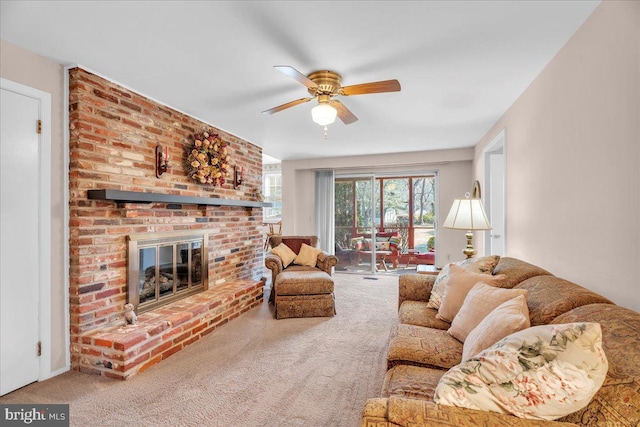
(272,184)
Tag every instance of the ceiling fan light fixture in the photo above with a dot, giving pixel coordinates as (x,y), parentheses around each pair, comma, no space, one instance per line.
(324,114)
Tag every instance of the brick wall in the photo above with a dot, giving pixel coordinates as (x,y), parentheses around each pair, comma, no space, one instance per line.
(113,135)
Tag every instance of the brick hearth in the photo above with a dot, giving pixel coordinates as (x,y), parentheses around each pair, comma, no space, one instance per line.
(113,136)
(121,351)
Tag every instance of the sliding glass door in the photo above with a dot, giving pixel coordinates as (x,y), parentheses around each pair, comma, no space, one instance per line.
(385,223)
(356,210)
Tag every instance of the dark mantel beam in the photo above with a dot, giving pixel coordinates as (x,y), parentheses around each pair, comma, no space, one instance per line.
(120,196)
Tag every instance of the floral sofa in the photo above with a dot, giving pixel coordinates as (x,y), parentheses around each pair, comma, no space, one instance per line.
(421,352)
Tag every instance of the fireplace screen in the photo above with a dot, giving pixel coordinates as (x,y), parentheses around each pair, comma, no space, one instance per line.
(166,267)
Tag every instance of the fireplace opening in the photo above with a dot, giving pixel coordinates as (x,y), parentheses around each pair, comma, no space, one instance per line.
(165,267)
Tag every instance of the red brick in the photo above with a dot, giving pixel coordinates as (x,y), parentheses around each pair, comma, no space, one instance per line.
(180,318)
(150,363)
(102,342)
(162,347)
(171,334)
(91,351)
(197,329)
(171,351)
(135,362)
(130,340)
(191,340)
(149,344)
(191,324)
(157,329)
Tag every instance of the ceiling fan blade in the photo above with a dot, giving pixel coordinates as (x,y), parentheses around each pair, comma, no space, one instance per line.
(296,75)
(344,113)
(287,105)
(374,87)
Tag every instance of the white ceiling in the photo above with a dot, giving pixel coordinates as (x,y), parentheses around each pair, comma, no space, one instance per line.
(461,64)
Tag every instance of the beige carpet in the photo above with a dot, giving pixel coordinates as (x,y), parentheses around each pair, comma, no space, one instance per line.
(253,371)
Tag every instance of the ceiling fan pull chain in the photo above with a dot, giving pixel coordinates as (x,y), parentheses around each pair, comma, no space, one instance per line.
(325,132)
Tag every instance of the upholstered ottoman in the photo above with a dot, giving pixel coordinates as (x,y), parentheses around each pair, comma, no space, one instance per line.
(304,294)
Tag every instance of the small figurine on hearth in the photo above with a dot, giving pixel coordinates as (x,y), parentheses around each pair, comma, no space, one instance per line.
(130,315)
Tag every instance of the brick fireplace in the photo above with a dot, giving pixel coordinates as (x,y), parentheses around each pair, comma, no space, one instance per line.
(113,137)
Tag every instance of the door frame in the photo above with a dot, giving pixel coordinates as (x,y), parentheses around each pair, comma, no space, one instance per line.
(499,142)
(44,226)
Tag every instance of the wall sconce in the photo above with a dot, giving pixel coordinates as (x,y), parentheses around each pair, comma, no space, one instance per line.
(238,176)
(162,160)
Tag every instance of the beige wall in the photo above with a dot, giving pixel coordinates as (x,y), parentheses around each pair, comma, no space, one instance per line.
(573,159)
(32,70)
(454,169)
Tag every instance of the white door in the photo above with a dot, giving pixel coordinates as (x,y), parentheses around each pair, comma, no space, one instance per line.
(495,195)
(19,240)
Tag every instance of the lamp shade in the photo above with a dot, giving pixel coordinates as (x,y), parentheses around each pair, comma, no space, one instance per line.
(467,214)
(324,114)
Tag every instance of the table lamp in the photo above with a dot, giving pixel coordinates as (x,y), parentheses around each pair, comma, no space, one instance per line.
(467,214)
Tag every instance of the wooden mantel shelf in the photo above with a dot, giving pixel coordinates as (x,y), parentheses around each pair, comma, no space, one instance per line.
(120,196)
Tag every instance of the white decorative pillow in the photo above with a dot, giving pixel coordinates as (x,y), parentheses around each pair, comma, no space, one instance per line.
(382,246)
(460,282)
(509,317)
(308,255)
(285,253)
(477,265)
(480,301)
(545,372)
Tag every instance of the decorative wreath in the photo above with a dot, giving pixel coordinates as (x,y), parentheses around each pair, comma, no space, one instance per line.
(208,161)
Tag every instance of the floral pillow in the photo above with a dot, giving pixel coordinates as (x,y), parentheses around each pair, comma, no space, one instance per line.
(477,265)
(545,372)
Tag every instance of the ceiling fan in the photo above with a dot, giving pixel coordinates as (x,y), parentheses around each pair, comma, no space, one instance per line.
(324,85)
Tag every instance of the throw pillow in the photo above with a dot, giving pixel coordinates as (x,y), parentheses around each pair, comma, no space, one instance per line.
(545,372)
(481,300)
(458,286)
(509,317)
(357,243)
(285,253)
(308,255)
(295,243)
(394,243)
(478,265)
(382,246)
